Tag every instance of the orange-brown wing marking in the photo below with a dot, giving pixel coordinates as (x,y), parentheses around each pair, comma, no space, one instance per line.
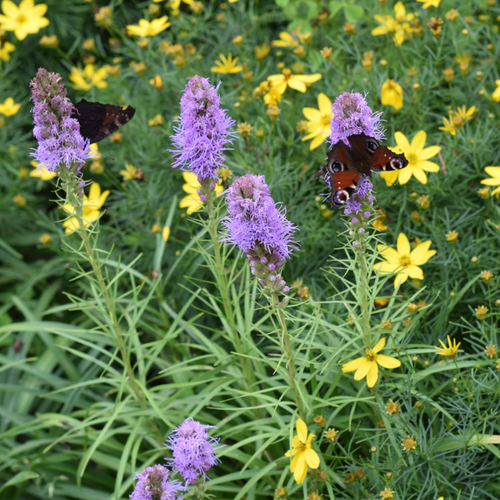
(385,160)
(344,180)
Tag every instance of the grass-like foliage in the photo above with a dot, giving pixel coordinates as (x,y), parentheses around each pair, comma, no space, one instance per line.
(326,353)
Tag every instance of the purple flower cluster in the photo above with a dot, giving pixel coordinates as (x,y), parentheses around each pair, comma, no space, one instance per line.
(58,135)
(351,116)
(259,228)
(203,132)
(361,197)
(153,483)
(193,450)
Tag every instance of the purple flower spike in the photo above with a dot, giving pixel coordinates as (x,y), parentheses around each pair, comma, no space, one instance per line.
(153,484)
(193,450)
(58,135)
(203,132)
(351,116)
(360,199)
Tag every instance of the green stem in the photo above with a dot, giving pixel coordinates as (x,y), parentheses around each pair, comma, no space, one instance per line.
(289,355)
(363,291)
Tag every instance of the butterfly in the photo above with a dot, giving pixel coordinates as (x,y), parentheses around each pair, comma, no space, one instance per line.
(345,164)
(98,120)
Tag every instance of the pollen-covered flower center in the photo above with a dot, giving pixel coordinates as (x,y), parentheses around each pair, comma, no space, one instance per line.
(371,355)
(404,260)
(457,121)
(21,18)
(412,158)
(301,447)
(287,73)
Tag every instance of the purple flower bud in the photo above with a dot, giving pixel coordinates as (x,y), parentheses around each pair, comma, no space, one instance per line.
(255,221)
(354,243)
(272,278)
(212,185)
(203,197)
(351,116)
(271,267)
(361,230)
(367,214)
(193,450)
(351,233)
(153,484)
(354,220)
(286,289)
(203,132)
(263,260)
(58,134)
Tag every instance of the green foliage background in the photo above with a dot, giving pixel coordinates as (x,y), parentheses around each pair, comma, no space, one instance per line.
(71,426)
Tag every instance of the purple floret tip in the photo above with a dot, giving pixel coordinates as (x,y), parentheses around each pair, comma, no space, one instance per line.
(153,483)
(200,139)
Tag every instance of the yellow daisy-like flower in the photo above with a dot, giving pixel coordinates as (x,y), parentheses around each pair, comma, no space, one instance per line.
(292,40)
(146,28)
(449,351)
(296,82)
(24,20)
(175,4)
(392,94)
(88,77)
(417,158)
(318,125)
(227,66)
(91,206)
(398,26)
(367,366)
(8,108)
(494,181)
(5,49)
(457,119)
(404,261)
(302,453)
(192,201)
(130,173)
(41,172)
(495,97)
(429,3)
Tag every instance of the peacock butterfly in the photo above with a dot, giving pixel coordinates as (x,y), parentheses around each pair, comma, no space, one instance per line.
(345,164)
(97,120)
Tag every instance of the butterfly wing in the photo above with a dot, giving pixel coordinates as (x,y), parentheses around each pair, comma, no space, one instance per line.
(385,160)
(98,121)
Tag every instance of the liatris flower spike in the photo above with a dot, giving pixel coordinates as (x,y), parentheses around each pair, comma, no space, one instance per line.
(200,139)
(59,140)
(193,450)
(259,229)
(153,484)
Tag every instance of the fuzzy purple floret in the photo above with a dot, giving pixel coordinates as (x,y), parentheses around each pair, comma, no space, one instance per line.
(193,450)
(351,116)
(254,219)
(153,484)
(362,196)
(203,132)
(58,135)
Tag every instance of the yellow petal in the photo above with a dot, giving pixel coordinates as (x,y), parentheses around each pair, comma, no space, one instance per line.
(307,78)
(353,365)
(312,458)
(493,171)
(402,142)
(419,175)
(379,345)
(418,143)
(301,430)
(429,166)
(324,104)
(429,152)
(363,369)
(372,375)
(400,278)
(403,245)
(491,182)
(312,114)
(293,464)
(390,177)
(388,362)
(421,253)
(386,268)
(296,84)
(317,141)
(300,468)
(415,272)
(390,255)
(405,174)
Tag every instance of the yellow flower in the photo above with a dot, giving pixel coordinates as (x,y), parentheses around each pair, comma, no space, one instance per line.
(404,261)
(5,50)
(494,181)
(495,97)
(192,201)
(318,125)
(227,66)
(457,119)
(91,206)
(449,351)
(156,82)
(398,26)
(367,366)
(165,233)
(392,94)
(8,108)
(293,39)
(41,172)
(130,173)
(45,239)
(23,20)
(429,3)
(387,494)
(409,444)
(417,158)
(88,77)
(296,82)
(146,28)
(302,453)
(261,51)
(20,200)
(481,312)
(452,237)
(175,4)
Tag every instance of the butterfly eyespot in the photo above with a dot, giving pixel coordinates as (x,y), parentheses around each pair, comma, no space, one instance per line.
(396,163)
(372,146)
(337,166)
(341,197)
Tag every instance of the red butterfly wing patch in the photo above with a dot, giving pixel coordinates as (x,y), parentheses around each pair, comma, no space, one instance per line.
(385,160)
